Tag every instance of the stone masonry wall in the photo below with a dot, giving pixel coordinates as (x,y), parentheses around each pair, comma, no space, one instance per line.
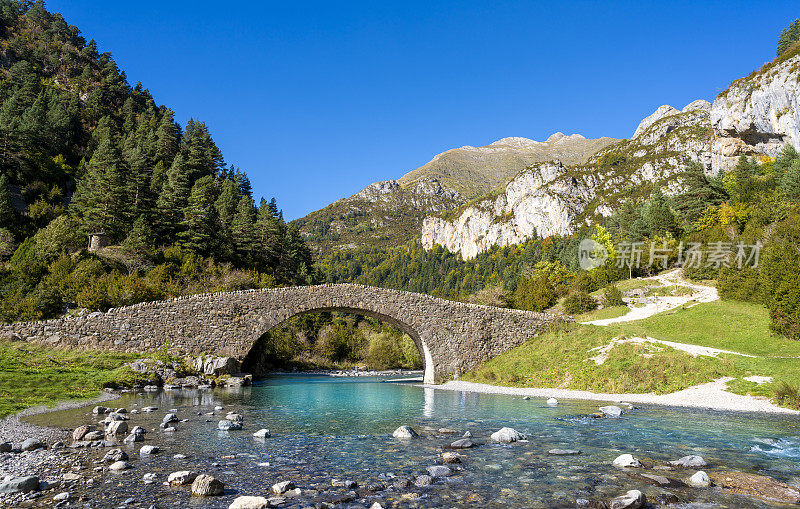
(453,337)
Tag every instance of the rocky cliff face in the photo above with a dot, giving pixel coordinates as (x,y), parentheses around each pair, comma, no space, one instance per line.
(758,114)
(390,213)
(552,198)
(537,201)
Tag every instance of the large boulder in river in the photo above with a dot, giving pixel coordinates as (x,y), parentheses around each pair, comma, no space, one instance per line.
(758,486)
(31,444)
(249,503)
(405,432)
(611,411)
(634,499)
(20,484)
(81,431)
(507,435)
(626,461)
(216,366)
(692,461)
(205,485)
(182,478)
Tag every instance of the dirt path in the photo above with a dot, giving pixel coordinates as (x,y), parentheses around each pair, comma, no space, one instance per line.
(658,304)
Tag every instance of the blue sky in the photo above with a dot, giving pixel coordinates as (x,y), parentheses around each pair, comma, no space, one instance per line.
(315,100)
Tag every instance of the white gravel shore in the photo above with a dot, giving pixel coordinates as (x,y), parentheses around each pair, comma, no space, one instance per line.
(712,396)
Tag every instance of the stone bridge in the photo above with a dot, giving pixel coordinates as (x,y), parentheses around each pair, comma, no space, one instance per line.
(452,337)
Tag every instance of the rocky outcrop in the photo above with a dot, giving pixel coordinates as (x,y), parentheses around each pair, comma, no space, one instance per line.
(535,202)
(758,114)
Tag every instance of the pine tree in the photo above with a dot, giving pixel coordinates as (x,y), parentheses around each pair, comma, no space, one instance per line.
(270,231)
(173,198)
(140,239)
(700,192)
(788,36)
(243,232)
(203,157)
(227,202)
(660,218)
(168,134)
(100,196)
(784,161)
(200,223)
(790,183)
(7,215)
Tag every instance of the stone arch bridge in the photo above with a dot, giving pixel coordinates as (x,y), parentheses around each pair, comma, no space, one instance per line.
(452,337)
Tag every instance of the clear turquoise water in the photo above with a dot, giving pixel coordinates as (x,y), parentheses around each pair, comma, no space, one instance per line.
(327,428)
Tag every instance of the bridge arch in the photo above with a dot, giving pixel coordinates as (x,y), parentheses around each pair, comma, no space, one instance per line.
(453,337)
(416,337)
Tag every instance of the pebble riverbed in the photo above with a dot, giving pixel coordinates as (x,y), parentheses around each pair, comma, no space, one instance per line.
(332,439)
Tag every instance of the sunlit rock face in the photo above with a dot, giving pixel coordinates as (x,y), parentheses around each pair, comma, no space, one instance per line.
(758,114)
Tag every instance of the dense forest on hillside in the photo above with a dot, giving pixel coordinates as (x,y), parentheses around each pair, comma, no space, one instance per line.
(81,152)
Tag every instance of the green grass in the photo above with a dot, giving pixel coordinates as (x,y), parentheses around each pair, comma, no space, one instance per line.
(37,375)
(629,284)
(603,314)
(669,291)
(558,358)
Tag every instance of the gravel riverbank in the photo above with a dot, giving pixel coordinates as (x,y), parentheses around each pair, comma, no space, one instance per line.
(710,396)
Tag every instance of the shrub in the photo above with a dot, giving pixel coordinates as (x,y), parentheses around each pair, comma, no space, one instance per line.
(740,284)
(534,294)
(612,296)
(579,302)
(384,352)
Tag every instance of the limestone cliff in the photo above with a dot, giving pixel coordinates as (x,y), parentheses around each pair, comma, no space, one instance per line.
(551,198)
(758,114)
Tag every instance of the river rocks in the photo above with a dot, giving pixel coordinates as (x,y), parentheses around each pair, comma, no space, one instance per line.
(119,466)
(117,428)
(262,433)
(344,483)
(31,444)
(689,462)
(134,437)
(700,479)
(81,431)
(446,431)
(626,461)
(99,410)
(150,478)
(451,457)
(507,435)
(61,497)
(758,486)
(169,418)
(655,479)
(6,447)
(552,402)
(463,443)
(148,450)
(249,503)
(215,366)
(563,452)
(92,436)
(226,425)
(405,432)
(182,478)
(115,455)
(612,411)
(467,434)
(235,417)
(423,480)
(282,487)
(205,485)
(439,471)
(634,499)
(23,484)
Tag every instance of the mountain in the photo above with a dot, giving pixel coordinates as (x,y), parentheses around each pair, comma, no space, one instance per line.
(756,116)
(475,171)
(391,212)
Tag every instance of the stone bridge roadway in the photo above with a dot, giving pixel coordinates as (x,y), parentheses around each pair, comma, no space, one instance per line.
(452,337)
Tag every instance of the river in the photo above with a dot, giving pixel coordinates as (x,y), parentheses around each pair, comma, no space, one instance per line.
(326,428)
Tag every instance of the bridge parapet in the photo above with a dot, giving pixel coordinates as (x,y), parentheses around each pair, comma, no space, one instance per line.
(453,337)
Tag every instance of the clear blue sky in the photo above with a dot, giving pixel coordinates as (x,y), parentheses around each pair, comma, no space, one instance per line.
(315,100)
